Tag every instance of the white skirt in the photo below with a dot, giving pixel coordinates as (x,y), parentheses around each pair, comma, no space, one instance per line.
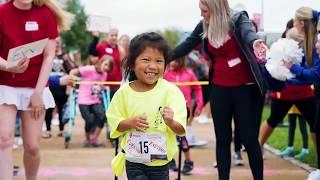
(20,97)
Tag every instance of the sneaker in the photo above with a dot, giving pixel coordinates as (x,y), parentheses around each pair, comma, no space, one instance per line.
(303,153)
(95,143)
(60,134)
(237,159)
(314,175)
(195,142)
(86,143)
(46,135)
(173,165)
(287,152)
(187,167)
(203,119)
(215,164)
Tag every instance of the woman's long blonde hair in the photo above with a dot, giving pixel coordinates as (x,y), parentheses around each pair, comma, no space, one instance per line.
(310,30)
(64,19)
(219,24)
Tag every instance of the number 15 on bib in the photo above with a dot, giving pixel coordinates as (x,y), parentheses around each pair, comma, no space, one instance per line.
(145,147)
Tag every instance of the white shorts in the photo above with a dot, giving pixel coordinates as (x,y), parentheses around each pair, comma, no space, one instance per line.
(20,97)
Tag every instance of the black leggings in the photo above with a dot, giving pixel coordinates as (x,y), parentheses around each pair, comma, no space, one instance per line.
(244,104)
(307,107)
(93,115)
(317,130)
(292,128)
(280,108)
(60,101)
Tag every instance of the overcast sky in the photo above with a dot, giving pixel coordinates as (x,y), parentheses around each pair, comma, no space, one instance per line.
(136,16)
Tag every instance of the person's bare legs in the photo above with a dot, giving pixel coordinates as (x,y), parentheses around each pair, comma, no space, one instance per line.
(97,133)
(265,132)
(31,134)
(207,110)
(7,124)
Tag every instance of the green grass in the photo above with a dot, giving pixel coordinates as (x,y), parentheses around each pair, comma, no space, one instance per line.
(279,140)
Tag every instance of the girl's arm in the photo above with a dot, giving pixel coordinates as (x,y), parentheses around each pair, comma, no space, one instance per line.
(36,101)
(75,72)
(308,74)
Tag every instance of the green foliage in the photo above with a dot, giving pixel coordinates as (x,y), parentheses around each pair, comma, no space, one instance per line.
(77,38)
(172,36)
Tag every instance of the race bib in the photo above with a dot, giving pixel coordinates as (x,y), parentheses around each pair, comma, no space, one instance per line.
(145,147)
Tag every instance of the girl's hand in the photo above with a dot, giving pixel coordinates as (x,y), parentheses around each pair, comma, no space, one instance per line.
(139,122)
(67,80)
(167,114)
(20,67)
(260,50)
(36,105)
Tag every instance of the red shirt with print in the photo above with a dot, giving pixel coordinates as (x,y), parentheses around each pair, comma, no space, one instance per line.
(18,27)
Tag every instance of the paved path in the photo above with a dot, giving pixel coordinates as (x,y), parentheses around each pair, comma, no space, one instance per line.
(94,163)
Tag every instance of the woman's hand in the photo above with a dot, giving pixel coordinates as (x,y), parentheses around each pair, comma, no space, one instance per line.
(36,105)
(260,50)
(20,67)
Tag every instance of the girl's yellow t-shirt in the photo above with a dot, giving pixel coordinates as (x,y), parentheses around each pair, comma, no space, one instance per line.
(127,103)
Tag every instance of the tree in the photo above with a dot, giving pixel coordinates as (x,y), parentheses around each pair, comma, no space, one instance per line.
(77,38)
(172,36)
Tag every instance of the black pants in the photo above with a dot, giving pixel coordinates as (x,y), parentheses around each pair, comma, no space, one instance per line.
(244,104)
(236,137)
(292,128)
(137,171)
(280,108)
(60,101)
(93,115)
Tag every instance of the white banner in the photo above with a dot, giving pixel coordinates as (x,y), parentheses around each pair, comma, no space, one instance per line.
(98,23)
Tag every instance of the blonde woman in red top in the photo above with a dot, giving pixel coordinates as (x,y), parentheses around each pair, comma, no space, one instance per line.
(23,87)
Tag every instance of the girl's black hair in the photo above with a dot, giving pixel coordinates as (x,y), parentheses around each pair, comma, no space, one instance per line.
(138,44)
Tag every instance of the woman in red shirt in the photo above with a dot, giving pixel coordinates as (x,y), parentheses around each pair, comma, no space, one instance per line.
(237,82)
(23,87)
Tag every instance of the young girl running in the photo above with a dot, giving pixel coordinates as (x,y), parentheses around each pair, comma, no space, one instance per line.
(90,105)
(149,111)
(178,72)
